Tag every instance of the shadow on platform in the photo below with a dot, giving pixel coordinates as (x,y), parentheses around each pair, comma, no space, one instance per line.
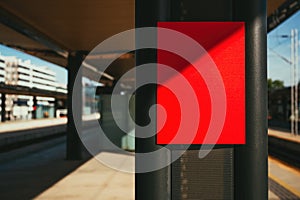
(27,172)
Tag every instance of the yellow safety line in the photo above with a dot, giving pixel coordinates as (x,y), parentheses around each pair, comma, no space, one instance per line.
(285,185)
(285,165)
(284,136)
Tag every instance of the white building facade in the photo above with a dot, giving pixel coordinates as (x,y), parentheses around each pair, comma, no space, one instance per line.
(14,71)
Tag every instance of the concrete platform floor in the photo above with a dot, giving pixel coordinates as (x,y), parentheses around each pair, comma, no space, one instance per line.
(284,180)
(40,171)
(93,180)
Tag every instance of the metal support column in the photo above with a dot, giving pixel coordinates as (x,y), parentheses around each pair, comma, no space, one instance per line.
(74,145)
(55,107)
(294,82)
(151,185)
(34,112)
(251,160)
(296,44)
(3,109)
(292,85)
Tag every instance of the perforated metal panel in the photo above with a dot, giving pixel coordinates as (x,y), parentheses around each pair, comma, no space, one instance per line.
(207,178)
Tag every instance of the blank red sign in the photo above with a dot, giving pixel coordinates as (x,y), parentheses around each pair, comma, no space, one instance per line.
(224,43)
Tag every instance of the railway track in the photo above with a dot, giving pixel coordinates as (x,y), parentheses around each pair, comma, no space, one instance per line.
(285,150)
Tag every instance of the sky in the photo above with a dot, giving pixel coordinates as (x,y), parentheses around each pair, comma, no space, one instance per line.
(279,41)
(61,73)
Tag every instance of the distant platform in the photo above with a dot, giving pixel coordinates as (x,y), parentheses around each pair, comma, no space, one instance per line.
(14,134)
(22,125)
(284,134)
(13,126)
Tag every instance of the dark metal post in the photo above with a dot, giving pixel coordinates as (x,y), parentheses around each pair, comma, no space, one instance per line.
(151,185)
(55,107)
(34,112)
(251,160)
(3,110)
(74,145)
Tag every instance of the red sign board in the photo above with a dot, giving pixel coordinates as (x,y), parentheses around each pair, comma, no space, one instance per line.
(204,101)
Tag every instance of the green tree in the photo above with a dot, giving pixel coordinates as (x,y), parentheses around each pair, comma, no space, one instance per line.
(275,84)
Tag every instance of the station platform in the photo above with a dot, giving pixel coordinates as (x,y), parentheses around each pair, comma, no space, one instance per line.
(21,125)
(94,180)
(23,132)
(45,174)
(284,180)
(284,177)
(40,171)
(284,146)
(284,135)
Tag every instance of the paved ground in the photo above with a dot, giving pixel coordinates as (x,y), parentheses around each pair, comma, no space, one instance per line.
(43,173)
(93,180)
(27,173)
(40,171)
(284,180)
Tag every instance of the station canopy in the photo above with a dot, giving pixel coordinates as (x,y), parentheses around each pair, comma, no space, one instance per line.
(52,29)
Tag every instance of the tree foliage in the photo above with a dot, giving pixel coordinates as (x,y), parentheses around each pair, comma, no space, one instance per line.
(275,84)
